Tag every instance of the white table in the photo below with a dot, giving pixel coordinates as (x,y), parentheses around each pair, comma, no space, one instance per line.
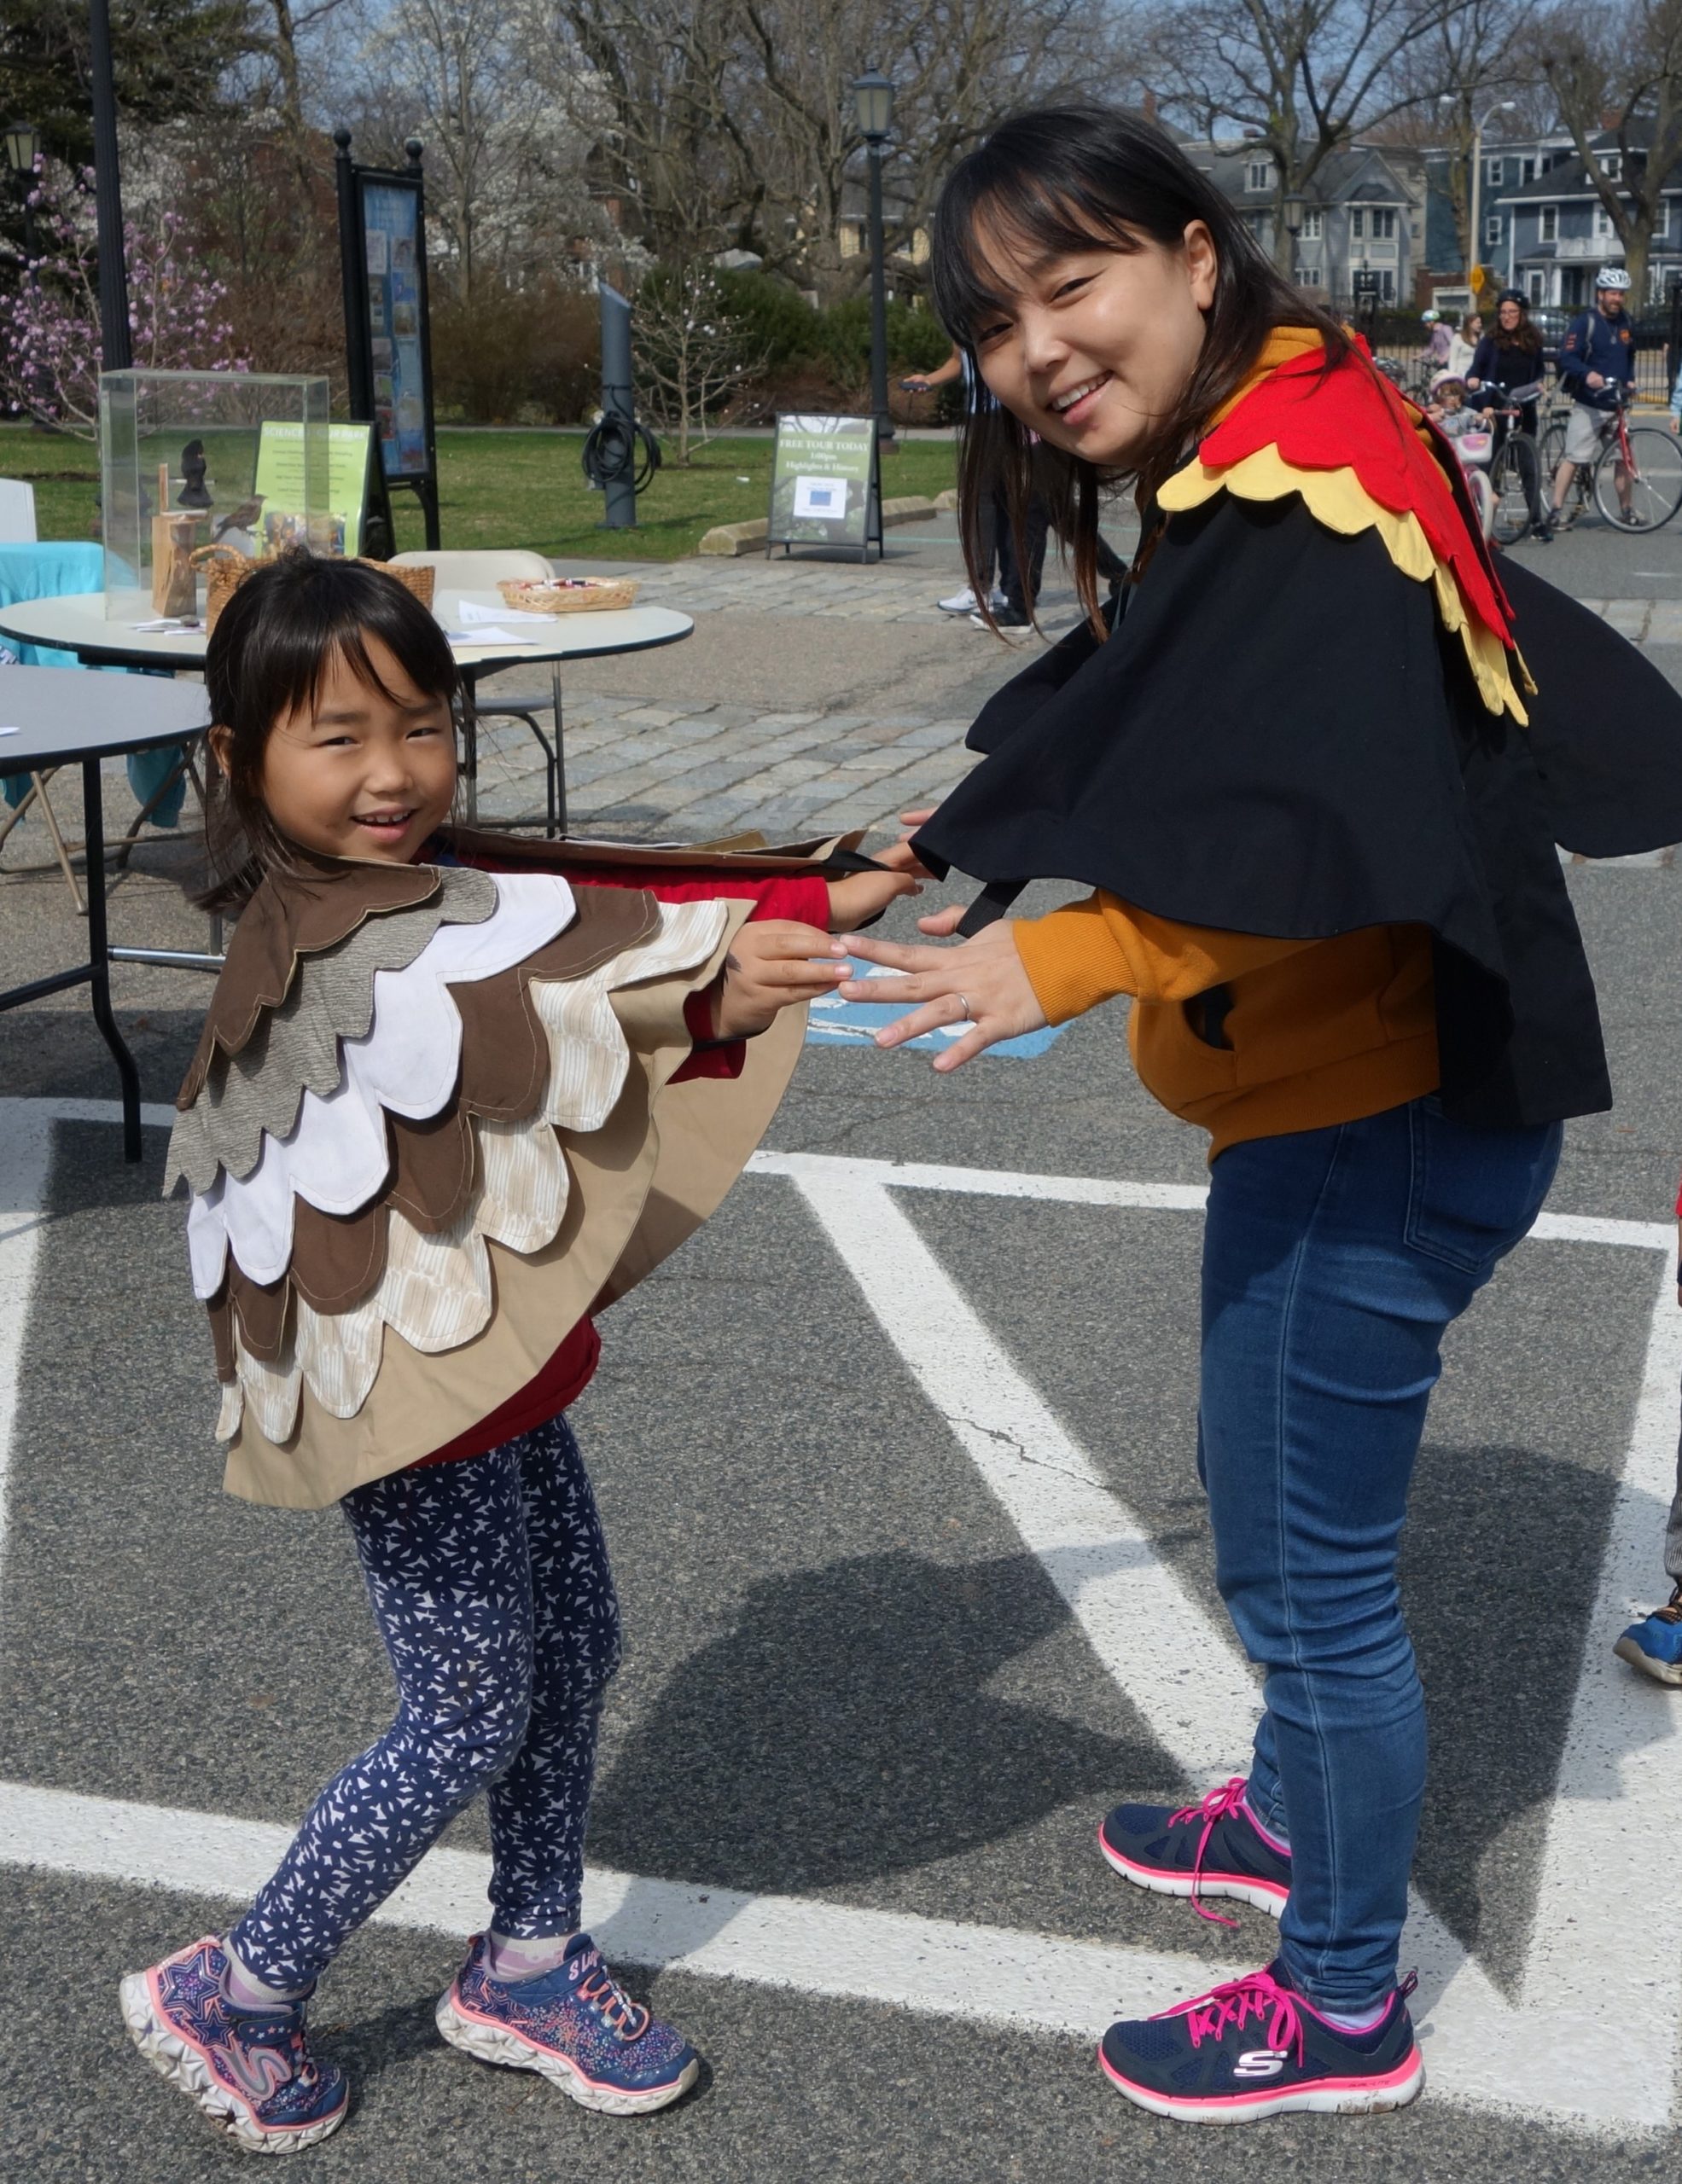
(64,719)
(78,625)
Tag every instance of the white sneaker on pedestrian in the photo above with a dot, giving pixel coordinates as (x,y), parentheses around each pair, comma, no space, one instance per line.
(965,602)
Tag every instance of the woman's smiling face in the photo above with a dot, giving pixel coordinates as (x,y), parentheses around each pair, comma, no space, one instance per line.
(1092,349)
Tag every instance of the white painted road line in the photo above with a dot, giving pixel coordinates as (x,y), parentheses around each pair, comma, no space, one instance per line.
(1574,2047)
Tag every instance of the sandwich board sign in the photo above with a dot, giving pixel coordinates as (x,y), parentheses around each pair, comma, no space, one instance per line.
(824,485)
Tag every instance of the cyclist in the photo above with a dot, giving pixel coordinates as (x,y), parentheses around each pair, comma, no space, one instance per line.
(1509,355)
(1597,365)
(1438,339)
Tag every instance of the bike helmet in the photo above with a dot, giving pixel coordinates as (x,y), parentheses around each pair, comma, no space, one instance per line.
(1513,296)
(1612,276)
(1429,318)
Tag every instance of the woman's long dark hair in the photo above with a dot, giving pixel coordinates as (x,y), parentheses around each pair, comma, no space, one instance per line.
(1059,180)
(271,645)
(1525,336)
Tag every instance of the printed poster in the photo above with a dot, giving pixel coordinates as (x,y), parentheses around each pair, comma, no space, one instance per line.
(821,478)
(390,228)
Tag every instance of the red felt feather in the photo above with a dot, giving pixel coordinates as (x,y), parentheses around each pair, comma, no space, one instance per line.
(1352,418)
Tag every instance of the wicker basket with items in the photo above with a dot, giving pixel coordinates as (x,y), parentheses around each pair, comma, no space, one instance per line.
(225,569)
(567,595)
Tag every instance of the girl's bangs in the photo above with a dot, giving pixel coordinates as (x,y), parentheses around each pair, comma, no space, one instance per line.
(1019,214)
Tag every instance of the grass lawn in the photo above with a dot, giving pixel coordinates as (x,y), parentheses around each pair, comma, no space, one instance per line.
(511,489)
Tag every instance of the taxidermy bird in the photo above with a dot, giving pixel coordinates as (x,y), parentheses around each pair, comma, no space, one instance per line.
(242,517)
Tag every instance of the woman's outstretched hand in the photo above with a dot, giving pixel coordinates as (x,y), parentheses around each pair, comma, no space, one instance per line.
(981,981)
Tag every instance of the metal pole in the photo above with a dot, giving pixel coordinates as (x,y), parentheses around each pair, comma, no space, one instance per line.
(412,150)
(1476,206)
(116,348)
(360,393)
(878,300)
(618,399)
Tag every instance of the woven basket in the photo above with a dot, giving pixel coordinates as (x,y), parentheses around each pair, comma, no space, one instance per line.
(568,595)
(226,570)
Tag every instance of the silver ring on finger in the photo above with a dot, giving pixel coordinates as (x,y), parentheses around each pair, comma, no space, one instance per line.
(964,1013)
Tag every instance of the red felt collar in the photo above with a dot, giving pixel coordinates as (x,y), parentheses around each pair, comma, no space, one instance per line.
(1353,418)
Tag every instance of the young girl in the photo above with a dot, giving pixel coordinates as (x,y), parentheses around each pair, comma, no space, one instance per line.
(1316,794)
(439,1110)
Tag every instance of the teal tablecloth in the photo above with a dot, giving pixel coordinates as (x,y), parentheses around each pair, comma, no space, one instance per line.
(56,568)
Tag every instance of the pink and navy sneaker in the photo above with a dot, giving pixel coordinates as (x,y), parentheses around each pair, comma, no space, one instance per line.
(577,2025)
(1217,1848)
(251,2071)
(1257,2047)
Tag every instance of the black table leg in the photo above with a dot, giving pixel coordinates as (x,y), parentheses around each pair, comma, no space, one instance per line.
(99,968)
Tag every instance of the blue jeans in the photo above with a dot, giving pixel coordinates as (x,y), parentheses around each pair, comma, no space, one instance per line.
(1333,1262)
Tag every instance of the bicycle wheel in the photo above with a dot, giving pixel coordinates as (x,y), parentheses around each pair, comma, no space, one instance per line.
(1513,483)
(1652,491)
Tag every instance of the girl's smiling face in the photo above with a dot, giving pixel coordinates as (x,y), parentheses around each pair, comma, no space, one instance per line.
(362,772)
(1092,349)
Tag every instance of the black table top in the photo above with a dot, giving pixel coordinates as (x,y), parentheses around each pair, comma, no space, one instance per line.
(64,714)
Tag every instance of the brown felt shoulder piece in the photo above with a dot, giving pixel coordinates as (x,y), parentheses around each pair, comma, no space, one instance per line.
(294,914)
(262,1310)
(536,854)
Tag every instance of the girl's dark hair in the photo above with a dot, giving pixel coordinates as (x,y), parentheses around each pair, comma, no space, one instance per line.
(1059,179)
(1526,335)
(271,647)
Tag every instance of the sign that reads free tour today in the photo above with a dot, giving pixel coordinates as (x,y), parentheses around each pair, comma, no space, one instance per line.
(823,483)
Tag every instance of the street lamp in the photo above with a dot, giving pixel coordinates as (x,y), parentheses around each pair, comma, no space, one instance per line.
(1474,240)
(873,101)
(116,348)
(1295,207)
(22,143)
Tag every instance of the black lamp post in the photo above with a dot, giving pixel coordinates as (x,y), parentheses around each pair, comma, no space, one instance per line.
(21,143)
(873,98)
(1293,209)
(116,349)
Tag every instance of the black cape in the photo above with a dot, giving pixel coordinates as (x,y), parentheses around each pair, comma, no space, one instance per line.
(1280,738)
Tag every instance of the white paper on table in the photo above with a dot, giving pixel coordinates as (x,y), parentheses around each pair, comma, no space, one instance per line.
(468,611)
(11,731)
(496,635)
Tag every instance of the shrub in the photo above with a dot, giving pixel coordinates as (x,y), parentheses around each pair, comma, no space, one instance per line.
(512,355)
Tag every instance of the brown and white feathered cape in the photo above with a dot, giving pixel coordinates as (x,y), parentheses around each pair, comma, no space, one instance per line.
(430,1124)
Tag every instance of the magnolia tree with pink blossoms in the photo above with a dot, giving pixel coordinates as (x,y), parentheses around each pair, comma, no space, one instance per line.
(49,336)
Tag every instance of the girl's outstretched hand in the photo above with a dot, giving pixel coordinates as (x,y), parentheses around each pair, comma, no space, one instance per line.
(768,968)
(981,981)
(901,857)
(865,895)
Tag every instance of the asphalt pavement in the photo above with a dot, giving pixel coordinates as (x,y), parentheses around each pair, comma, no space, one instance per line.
(896,1464)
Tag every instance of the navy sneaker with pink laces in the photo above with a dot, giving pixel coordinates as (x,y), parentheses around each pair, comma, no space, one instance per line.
(1257,2047)
(1217,1848)
(250,2071)
(576,2025)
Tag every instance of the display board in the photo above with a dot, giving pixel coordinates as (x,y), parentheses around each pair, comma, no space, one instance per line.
(399,350)
(823,485)
(280,481)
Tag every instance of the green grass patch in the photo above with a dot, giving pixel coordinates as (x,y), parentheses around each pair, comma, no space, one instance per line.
(512,489)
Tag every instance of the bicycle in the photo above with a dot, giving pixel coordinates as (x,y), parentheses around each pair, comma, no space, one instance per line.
(1515,474)
(1635,480)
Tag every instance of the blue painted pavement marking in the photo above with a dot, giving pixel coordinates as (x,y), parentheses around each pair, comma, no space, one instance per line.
(836,1023)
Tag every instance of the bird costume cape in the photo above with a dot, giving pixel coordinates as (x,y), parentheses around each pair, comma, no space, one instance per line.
(431,1124)
(1320,709)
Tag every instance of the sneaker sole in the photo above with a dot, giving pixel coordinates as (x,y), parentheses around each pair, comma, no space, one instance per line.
(183,2065)
(1260,1895)
(493,2043)
(1666,1672)
(1336,2097)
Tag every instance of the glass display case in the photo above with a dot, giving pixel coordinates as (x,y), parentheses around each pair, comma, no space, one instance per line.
(187,460)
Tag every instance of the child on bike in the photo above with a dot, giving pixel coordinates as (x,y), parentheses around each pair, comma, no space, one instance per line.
(448,1101)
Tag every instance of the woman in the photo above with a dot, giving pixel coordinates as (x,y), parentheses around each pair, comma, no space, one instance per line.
(1509,357)
(1462,342)
(1294,765)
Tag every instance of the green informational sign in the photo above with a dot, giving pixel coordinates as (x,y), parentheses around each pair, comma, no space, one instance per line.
(286,501)
(823,483)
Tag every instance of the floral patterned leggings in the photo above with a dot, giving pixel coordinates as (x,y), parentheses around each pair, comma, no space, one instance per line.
(490,1583)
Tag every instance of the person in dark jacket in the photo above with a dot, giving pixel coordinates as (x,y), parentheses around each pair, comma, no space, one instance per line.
(1509,357)
(1597,364)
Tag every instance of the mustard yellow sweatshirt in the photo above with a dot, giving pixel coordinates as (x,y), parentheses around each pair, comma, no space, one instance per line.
(1248,1037)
